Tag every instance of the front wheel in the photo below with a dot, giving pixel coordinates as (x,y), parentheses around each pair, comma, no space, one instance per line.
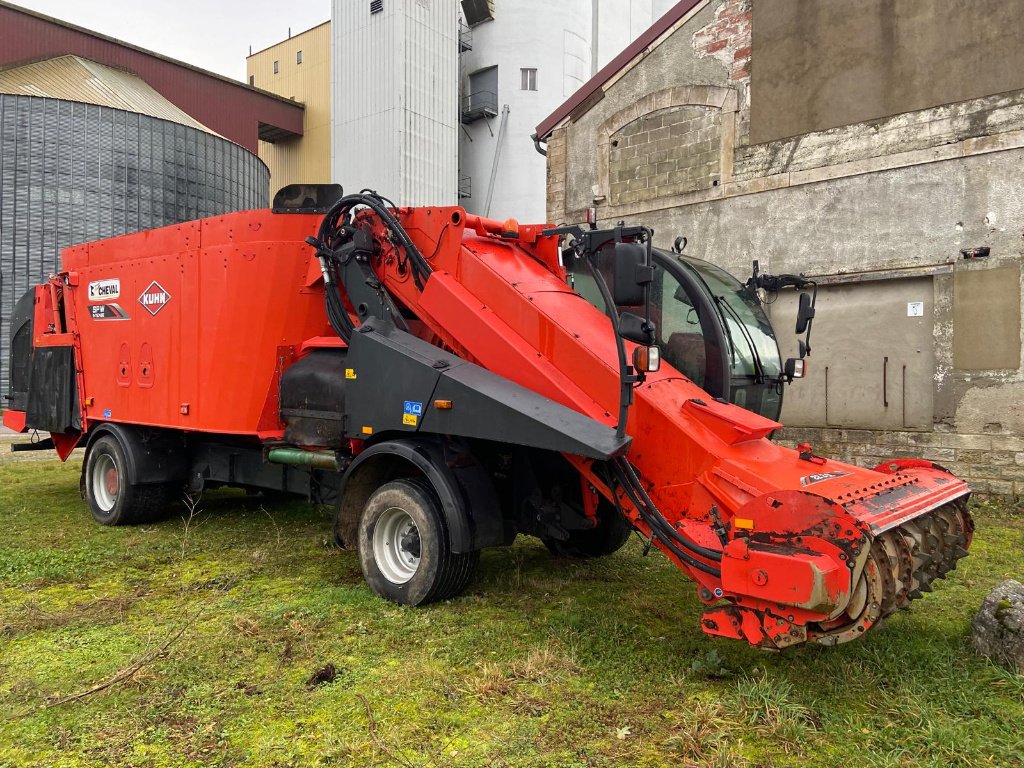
(404,546)
(609,536)
(112,499)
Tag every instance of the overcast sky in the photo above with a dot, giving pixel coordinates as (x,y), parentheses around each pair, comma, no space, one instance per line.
(212,34)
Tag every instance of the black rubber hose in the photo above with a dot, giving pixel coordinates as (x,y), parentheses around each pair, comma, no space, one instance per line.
(376,203)
(710,554)
(625,390)
(612,484)
(667,541)
(665,533)
(328,240)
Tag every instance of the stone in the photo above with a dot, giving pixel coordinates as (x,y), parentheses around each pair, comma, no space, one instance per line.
(998,628)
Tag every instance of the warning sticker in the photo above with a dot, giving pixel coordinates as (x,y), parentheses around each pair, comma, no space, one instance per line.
(818,477)
(411,413)
(154,298)
(350,373)
(105,290)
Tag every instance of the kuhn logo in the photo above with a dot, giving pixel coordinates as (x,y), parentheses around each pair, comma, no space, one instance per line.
(154,298)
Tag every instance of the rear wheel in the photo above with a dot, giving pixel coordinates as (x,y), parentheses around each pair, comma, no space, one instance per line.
(610,534)
(404,546)
(112,499)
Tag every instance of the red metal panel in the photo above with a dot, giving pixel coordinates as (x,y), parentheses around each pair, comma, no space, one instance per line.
(230,108)
(204,302)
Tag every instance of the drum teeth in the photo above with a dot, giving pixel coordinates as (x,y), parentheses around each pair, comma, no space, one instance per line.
(902,565)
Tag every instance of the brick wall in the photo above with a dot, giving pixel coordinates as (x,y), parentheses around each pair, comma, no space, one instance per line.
(728,39)
(667,152)
(990,463)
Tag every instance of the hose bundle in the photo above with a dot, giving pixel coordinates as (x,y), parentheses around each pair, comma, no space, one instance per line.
(336,231)
(623,475)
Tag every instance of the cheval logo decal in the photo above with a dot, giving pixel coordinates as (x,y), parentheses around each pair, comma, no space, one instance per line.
(154,298)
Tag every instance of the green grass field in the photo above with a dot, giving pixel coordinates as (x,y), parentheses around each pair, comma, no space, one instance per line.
(207,632)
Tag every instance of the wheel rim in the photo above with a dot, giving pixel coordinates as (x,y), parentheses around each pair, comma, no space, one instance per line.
(396,545)
(106,483)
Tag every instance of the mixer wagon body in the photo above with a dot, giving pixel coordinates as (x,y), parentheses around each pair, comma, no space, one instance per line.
(443,382)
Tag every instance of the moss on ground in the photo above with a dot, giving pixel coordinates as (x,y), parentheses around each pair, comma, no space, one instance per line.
(543,662)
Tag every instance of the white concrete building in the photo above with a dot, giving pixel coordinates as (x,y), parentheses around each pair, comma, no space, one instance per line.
(527,57)
(394,96)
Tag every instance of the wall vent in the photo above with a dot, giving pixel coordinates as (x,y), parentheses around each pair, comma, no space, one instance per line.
(376,6)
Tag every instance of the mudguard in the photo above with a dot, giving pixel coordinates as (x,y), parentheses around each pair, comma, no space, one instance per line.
(467,495)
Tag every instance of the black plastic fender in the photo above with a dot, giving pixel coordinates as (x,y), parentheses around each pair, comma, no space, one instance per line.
(152,456)
(467,494)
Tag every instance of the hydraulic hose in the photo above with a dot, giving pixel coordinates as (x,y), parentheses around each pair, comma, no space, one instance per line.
(682,547)
(625,389)
(332,235)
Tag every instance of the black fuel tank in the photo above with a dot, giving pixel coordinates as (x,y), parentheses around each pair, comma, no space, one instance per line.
(313,399)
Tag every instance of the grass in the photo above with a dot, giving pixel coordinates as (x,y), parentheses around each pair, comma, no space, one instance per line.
(544,662)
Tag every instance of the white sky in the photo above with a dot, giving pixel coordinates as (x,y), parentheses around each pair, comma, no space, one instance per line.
(212,34)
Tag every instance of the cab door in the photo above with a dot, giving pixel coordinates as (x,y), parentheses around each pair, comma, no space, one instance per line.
(689,332)
(707,329)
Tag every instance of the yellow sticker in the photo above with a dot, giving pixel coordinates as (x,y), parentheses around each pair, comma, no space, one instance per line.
(743,522)
(350,373)
(367,430)
(409,419)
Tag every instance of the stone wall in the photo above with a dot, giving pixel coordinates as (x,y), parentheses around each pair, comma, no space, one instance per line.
(667,152)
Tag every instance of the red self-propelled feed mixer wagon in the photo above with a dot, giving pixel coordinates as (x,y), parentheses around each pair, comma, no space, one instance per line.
(447,382)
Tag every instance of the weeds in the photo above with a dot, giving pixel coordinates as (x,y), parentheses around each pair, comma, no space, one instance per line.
(711,666)
(547,665)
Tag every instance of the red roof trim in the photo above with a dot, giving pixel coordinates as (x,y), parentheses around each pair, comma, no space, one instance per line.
(588,89)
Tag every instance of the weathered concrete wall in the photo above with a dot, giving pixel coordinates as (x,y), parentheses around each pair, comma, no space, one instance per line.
(905,217)
(664,67)
(894,199)
(826,63)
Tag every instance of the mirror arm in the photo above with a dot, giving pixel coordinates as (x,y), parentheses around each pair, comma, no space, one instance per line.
(814,299)
(649,266)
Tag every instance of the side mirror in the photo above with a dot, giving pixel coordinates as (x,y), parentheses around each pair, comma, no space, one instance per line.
(630,274)
(795,368)
(634,328)
(647,359)
(805,313)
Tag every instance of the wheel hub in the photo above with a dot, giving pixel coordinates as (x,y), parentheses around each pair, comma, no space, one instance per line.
(396,545)
(106,483)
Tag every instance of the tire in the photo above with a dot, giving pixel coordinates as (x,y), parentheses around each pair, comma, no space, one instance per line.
(404,547)
(611,533)
(111,498)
